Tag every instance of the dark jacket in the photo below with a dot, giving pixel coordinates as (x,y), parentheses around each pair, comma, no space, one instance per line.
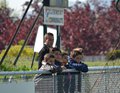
(58,66)
(42,53)
(78,66)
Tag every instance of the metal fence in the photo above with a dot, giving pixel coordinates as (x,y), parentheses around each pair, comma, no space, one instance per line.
(97,80)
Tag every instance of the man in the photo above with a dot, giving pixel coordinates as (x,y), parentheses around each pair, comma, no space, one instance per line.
(48,43)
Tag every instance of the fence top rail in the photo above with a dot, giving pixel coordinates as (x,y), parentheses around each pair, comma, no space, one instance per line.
(97,68)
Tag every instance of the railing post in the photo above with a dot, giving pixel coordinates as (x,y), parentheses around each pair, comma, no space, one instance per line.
(54,85)
(79,82)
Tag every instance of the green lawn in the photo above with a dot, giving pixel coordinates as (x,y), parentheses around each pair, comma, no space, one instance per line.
(90,64)
(25,63)
(104,63)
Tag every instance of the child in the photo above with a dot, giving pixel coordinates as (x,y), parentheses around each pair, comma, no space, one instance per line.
(42,81)
(64,59)
(58,61)
(58,56)
(47,64)
(75,62)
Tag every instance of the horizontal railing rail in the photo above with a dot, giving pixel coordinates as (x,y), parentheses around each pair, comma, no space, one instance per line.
(99,79)
(97,68)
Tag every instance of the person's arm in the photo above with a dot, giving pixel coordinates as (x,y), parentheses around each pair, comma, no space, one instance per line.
(78,66)
(42,52)
(83,67)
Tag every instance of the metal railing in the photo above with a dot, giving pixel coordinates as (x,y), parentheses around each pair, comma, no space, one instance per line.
(97,80)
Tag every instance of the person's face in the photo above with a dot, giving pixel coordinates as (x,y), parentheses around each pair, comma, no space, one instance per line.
(50,40)
(78,58)
(58,55)
(64,58)
(51,61)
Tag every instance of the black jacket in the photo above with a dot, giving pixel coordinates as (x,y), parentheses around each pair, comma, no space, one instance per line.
(42,53)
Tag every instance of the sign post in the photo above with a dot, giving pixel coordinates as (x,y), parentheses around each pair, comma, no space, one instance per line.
(53,16)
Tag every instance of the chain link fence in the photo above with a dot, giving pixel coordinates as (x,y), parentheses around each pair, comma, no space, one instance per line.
(97,80)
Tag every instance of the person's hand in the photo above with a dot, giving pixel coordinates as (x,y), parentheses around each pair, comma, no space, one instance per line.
(78,49)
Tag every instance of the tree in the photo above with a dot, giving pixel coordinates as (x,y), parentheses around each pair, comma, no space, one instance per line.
(97,32)
(8,27)
(5,22)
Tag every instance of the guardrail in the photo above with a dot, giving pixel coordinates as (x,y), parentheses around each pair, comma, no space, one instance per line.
(98,68)
(97,80)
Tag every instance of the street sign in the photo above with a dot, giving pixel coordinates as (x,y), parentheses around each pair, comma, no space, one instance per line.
(59,3)
(53,16)
(56,3)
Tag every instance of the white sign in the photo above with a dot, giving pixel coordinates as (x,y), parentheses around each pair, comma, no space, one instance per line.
(53,16)
(39,38)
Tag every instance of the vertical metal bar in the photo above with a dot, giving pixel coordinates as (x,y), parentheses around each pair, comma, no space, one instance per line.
(58,37)
(33,59)
(29,33)
(54,85)
(17,30)
(79,82)
(45,29)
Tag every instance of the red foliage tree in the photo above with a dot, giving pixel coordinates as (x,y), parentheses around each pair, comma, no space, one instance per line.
(5,23)
(96,32)
(8,27)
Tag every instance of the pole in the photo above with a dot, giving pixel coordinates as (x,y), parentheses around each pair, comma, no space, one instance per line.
(17,30)
(33,59)
(29,33)
(44,29)
(58,37)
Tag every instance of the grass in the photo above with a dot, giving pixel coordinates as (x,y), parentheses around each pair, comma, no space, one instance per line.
(22,64)
(104,63)
(25,63)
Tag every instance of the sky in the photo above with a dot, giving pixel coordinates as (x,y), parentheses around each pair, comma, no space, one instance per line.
(17,4)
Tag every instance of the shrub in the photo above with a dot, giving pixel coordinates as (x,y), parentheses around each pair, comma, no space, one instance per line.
(14,50)
(21,42)
(113,55)
(8,66)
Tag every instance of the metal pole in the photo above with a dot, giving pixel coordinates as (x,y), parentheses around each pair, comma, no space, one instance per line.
(17,30)
(45,29)
(29,33)
(33,59)
(79,82)
(58,37)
